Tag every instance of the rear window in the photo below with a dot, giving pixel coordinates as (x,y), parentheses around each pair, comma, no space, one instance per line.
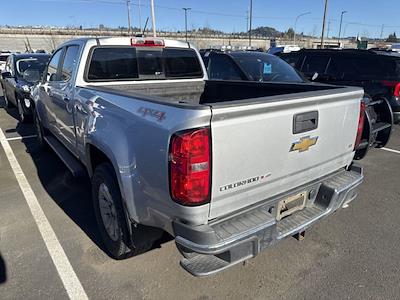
(113,64)
(371,67)
(128,63)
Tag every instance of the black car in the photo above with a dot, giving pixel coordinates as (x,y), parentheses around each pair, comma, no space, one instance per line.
(378,72)
(249,66)
(21,72)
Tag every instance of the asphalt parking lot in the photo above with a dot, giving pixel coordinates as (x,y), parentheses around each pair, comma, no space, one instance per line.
(354,254)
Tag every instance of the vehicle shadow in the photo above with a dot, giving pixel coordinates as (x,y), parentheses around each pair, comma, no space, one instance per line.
(3,270)
(72,195)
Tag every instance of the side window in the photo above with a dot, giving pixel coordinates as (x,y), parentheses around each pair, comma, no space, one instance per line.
(314,64)
(8,65)
(70,62)
(221,67)
(52,70)
(336,68)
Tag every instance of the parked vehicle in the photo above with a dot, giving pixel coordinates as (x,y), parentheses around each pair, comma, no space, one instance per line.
(395,47)
(3,59)
(246,65)
(378,72)
(22,71)
(283,49)
(226,167)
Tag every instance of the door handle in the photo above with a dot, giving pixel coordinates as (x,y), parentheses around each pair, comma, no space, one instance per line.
(305,122)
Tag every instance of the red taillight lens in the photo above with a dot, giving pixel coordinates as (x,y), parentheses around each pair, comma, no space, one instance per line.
(189,160)
(395,85)
(360,128)
(139,42)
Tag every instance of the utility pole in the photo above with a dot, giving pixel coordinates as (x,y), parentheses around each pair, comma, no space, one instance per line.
(153,18)
(340,27)
(295,25)
(247,20)
(128,6)
(323,25)
(140,16)
(186,30)
(250,20)
(329,29)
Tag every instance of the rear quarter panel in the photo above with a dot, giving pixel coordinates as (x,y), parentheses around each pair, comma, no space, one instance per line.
(135,135)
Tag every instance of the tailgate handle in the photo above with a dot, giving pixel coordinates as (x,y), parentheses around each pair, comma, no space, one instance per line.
(305,122)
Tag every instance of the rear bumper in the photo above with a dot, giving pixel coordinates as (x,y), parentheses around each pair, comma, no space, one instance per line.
(212,248)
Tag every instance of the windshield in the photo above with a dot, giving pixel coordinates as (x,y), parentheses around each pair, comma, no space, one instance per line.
(31,65)
(265,67)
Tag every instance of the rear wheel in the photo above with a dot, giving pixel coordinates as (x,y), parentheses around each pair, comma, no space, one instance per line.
(110,216)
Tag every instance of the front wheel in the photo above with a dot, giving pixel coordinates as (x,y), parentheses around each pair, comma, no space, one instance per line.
(23,116)
(7,103)
(39,131)
(110,216)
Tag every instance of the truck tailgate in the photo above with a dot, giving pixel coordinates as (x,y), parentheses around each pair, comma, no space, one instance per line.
(257,154)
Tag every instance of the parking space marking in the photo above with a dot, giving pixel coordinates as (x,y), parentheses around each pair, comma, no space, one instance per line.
(21,137)
(391,150)
(67,274)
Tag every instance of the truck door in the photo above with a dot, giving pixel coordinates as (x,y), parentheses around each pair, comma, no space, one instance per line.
(63,98)
(10,82)
(47,89)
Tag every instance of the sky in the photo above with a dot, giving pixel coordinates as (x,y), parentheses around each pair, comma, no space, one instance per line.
(363,17)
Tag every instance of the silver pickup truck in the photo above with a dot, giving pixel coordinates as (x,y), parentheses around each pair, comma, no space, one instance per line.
(226,167)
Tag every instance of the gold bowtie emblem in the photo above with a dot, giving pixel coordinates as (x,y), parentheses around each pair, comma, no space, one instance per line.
(304,144)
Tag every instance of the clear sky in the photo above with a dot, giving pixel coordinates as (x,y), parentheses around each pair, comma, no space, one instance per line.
(364,17)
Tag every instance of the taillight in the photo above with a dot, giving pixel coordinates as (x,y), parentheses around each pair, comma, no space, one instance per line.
(140,42)
(190,164)
(395,85)
(360,128)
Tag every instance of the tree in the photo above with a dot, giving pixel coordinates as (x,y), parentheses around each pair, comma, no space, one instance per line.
(392,38)
(290,33)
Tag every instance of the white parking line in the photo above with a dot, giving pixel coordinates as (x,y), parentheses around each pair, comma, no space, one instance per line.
(391,150)
(67,274)
(21,137)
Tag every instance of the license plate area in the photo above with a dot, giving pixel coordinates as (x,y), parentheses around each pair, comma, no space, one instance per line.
(291,204)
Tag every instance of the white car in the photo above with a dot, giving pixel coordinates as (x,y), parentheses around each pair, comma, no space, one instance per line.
(395,47)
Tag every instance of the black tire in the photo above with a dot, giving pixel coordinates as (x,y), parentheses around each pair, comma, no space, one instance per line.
(39,131)
(7,103)
(118,243)
(22,115)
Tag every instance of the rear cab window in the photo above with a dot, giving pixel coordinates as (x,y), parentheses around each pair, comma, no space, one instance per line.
(110,63)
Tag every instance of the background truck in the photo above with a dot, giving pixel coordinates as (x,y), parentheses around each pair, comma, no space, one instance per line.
(226,167)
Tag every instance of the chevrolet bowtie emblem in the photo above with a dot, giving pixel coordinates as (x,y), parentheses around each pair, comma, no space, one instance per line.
(304,144)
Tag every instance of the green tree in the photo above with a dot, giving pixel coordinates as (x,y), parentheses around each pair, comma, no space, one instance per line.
(392,38)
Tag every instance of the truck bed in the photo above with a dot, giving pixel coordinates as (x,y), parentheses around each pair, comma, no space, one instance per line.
(209,92)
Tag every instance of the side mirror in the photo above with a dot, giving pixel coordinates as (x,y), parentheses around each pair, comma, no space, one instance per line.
(5,75)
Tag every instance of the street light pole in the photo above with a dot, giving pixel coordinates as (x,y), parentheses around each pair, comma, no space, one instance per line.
(250,20)
(153,18)
(186,30)
(128,4)
(340,27)
(323,25)
(140,16)
(295,25)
